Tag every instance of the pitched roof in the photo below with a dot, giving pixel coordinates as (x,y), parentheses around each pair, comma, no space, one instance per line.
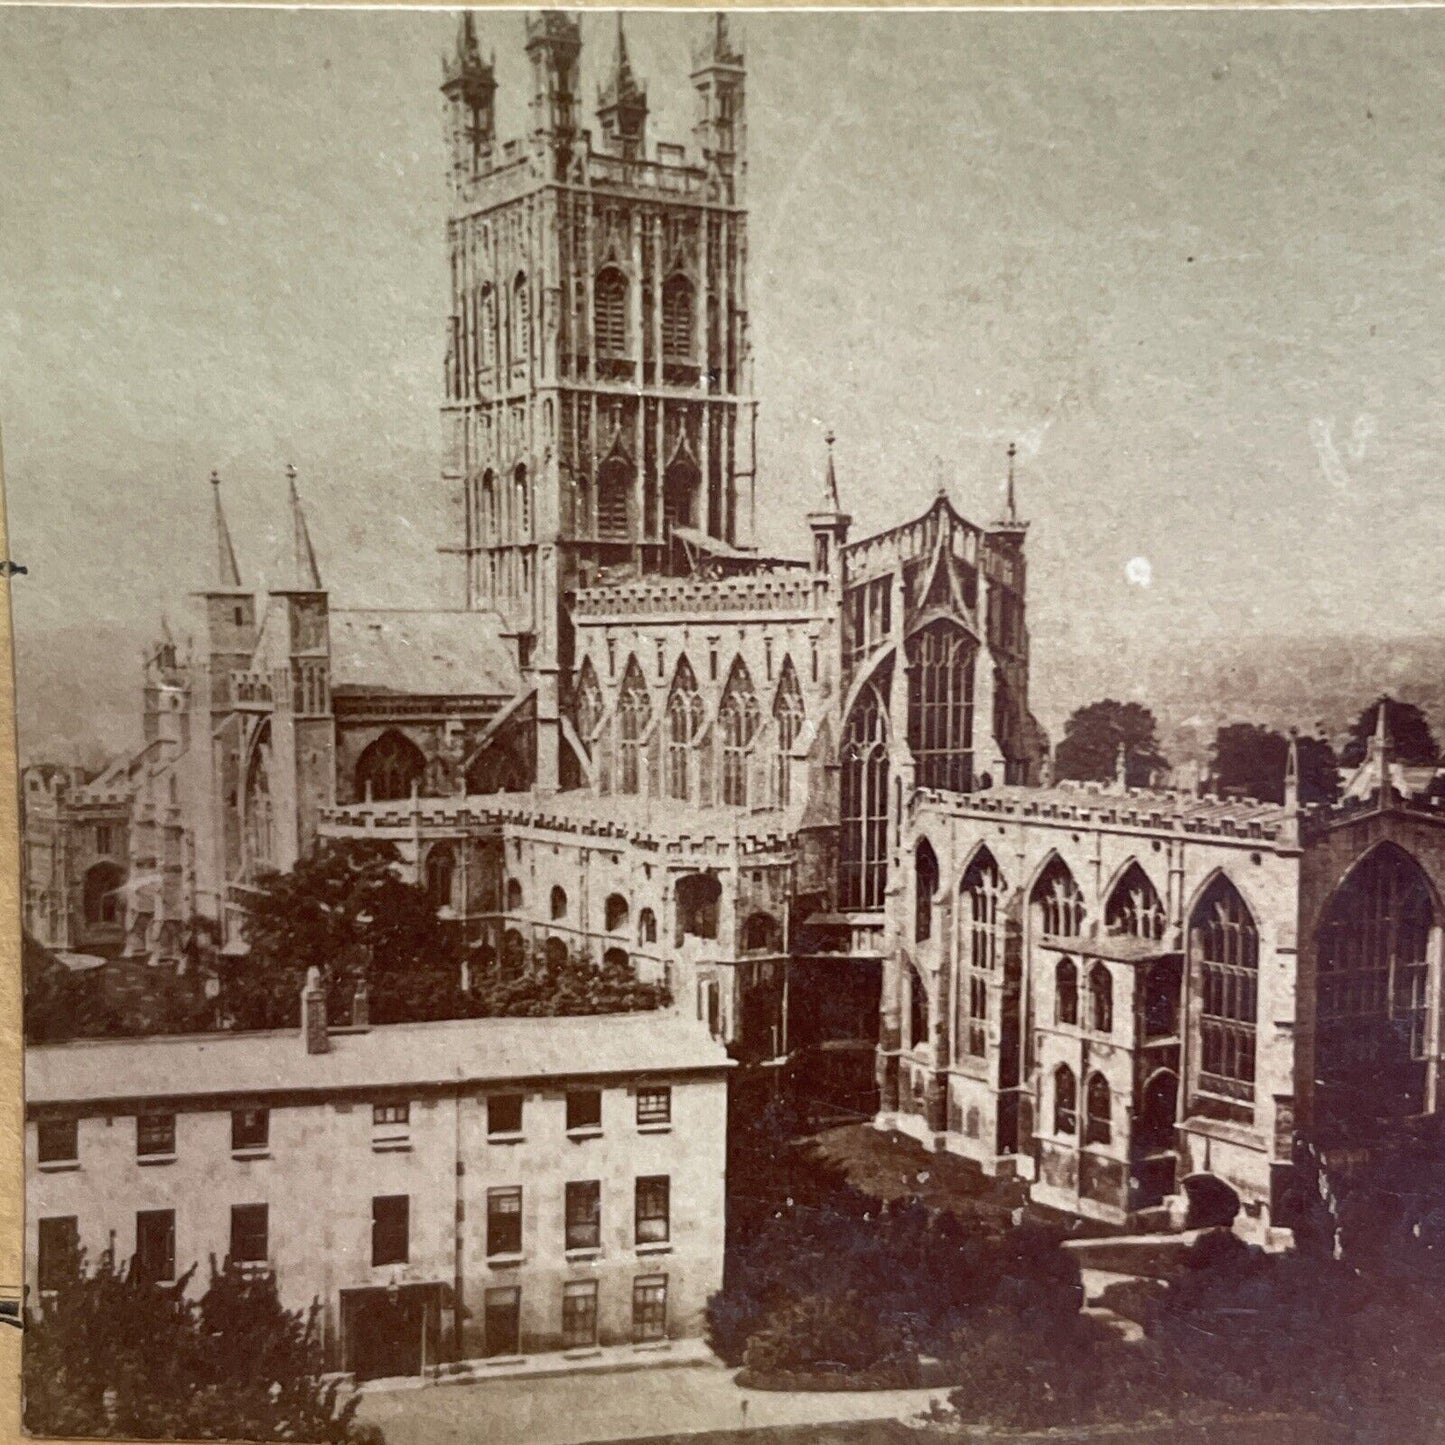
(392,1056)
(421,654)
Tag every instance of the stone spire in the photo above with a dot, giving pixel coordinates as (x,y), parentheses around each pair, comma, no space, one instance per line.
(228,575)
(305,576)
(830,523)
(831,502)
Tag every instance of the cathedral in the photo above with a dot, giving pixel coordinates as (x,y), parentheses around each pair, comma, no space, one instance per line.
(807,792)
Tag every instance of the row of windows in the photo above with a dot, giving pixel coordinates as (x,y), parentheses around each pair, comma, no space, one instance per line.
(1098,1107)
(502,1314)
(155,1138)
(155,1251)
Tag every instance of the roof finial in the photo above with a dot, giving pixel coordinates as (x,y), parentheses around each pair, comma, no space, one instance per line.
(1382,751)
(830,484)
(941,484)
(306,576)
(228,575)
(1013,514)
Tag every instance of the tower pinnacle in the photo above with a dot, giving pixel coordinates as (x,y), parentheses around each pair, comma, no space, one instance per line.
(228,575)
(305,576)
(622,102)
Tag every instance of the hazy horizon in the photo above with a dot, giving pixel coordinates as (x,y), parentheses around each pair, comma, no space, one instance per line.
(1187,260)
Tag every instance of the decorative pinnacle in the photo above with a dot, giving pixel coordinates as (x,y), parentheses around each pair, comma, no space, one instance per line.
(1013,514)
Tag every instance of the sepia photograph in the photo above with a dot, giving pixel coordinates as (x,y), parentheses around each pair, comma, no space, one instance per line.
(729,723)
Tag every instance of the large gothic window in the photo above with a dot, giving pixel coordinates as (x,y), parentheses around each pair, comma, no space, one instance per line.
(1134,907)
(940,707)
(684,729)
(634,714)
(1371,990)
(788,717)
(863,840)
(1224,949)
(981,950)
(588,704)
(610,312)
(677,320)
(614,486)
(1058,903)
(738,717)
(389,768)
(258,818)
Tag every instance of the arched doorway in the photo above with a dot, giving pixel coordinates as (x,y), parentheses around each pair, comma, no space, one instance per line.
(101,896)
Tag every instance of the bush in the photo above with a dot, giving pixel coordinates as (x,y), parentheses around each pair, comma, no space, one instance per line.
(826,1334)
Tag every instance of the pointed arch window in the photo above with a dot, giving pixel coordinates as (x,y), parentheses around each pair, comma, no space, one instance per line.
(609,310)
(1066,992)
(589,705)
(1224,948)
(679,495)
(738,717)
(259,821)
(1058,901)
(521,320)
(863,832)
(1134,907)
(940,707)
(1066,1103)
(925,885)
(1101,999)
(788,717)
(634,716)
(483,332)
(684,729)
(614,487)
(390,768)
(1098,1111)
(678,313)
(981,950)
(917,1009)
(521,502)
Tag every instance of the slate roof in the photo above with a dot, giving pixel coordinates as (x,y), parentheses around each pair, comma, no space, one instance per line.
(421,653)
(196,1066)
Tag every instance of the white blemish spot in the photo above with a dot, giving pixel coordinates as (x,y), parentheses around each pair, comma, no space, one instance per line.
(1138,572)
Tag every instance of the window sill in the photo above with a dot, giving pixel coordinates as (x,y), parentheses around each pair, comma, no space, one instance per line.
(391,1146)
(496,1360)
(586,1251)
(582,1352)
(664,1247)
(58,1166)
(654,1128)
(506,1261)
(259,1152)
(591,1131)
(506,1138)
(155,1159)
(651,1347)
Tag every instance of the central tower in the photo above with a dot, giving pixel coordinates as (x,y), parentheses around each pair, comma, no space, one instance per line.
(598,412)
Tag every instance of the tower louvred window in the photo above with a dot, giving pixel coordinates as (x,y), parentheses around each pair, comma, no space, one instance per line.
(611,313)
(677,319)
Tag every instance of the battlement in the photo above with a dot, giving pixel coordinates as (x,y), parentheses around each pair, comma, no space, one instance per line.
(788,593)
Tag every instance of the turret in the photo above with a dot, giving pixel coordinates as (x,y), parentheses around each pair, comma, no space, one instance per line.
(622,105)
(830,523)
(470,86)
(718,77)
(554,46)
(230,610)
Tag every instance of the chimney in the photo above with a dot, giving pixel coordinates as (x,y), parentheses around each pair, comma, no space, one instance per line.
(361,1007)
(313,1012)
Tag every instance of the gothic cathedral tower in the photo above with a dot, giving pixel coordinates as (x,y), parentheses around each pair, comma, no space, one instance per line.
(598,413)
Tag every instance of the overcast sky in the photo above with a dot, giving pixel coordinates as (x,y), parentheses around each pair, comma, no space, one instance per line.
(1190,261)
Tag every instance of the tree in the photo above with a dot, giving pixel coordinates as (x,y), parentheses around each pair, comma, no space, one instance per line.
(112,1354)
(1411,740)
(1252,760)
(1089,749)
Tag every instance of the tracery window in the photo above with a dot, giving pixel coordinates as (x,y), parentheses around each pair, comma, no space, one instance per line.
(1066,1103)
(1134,907)
(981,950)
(1371,989)
(610,312)
(1059,902)
(1066,992)
(738,717)
(925,885)
(684,728)
(634,716)
(788,717)
(1225,951)
(259,820)
(589,704)
(940,707)
(677,320)
(863,841)
(1101,999)
(389,768)
(1098,1111)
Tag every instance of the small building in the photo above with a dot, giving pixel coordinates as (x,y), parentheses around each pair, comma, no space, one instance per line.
(480,1188)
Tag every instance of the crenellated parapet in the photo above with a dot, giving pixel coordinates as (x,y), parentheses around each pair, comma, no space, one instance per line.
(791,593)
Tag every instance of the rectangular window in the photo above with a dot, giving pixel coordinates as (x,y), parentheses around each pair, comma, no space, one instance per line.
(250,1129)
(102,838)
(584,1214)
(155,1245)
(653,1203)
(504,1221)
(155,1135)
(501,1322)
(391,1126)
(59,1251)
(504,1114)
(649,1307)
(579,1314)
(654,1107)
(57,1141)
(390,1228)
(584,1110)
(249,1233)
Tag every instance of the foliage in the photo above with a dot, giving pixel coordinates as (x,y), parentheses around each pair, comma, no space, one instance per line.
(1411,740)
(60,1004)
(1252,760)
(113,1355)
(1089,749)
(828,1332)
